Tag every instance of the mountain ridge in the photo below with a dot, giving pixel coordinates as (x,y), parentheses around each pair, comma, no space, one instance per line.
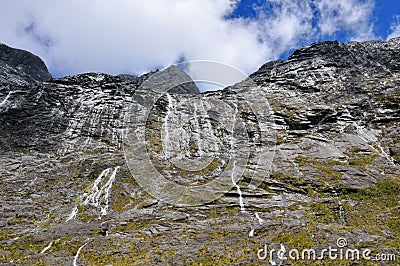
(329,115)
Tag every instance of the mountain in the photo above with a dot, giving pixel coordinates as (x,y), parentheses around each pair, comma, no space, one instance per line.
(172,80)
(19,67)
(99,169)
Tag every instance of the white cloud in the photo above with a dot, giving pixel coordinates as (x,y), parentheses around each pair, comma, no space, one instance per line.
(75,36)
(287,24)
(129,36)
(349,15)
(395,28)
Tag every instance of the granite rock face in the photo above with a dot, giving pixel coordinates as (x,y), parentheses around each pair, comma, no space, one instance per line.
(316,154)
(19,67)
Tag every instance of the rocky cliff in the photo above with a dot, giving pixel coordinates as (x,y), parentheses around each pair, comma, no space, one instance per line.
(305,151)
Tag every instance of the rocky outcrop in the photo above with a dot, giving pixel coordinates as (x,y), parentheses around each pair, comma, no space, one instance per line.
(306,151)
(19,67)
(172,80)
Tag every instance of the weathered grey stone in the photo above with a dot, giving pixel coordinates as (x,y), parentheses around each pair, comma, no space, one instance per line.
(19,67)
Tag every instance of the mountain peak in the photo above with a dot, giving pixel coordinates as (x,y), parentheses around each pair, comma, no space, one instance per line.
(20,67)
(171,79)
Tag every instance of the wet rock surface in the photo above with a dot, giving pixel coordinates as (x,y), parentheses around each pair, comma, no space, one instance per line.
(332,124)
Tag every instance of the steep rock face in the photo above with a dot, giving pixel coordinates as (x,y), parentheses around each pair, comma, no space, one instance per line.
(19,67)
(332,124)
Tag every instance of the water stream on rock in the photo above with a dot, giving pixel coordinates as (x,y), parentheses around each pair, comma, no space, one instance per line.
(3,103)
(98,198)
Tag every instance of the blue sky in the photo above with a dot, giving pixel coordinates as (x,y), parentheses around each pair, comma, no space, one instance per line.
(135,36)
(385,15)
